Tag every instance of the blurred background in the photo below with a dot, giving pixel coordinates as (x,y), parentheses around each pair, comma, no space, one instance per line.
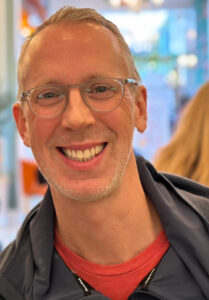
(169,42)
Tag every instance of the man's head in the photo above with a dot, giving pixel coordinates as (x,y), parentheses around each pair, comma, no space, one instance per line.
(83,153)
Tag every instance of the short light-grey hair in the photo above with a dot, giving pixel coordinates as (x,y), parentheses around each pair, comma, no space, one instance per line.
(72,15)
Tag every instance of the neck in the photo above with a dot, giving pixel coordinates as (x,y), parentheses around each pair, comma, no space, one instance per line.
(102,231)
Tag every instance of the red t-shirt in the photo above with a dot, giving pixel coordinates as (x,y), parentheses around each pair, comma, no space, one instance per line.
(115,281)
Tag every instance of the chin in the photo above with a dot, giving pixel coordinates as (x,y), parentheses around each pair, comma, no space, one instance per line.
(88,191)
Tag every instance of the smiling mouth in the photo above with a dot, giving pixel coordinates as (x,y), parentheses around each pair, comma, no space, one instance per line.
(82,155)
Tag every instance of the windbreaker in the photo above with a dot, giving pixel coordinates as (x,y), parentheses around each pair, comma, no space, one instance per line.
(31,269)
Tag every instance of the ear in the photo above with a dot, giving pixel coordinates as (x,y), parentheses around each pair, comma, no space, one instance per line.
(141,109)
(21,123)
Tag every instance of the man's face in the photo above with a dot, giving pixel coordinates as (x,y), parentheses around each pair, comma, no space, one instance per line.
(71,54)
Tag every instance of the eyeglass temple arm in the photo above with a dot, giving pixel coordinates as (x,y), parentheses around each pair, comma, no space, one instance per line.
(132,81)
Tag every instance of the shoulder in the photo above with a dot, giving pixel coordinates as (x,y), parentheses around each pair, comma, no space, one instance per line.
(171,180)
(193,193)
(5,255)
(22,233)
(15,260)
(23,259)
(187,185)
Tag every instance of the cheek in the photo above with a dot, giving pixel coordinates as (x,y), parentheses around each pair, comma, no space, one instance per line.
(121,119)
(40,131)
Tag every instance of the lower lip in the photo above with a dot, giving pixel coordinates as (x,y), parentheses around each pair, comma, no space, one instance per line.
(85,165)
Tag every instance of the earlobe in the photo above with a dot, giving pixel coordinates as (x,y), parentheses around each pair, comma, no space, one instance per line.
(21,123)
(141,109)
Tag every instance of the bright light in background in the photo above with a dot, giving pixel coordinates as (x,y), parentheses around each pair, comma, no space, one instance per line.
(25,31)
(158,2)
(115,3)
(140,29)
(132,4)
(189,61)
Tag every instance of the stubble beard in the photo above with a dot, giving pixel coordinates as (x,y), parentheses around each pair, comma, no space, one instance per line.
(89,190)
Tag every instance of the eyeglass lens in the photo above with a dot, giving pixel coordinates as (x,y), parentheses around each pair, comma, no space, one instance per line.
(98,94)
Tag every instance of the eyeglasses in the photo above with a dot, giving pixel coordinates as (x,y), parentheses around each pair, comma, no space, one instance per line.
(99,94)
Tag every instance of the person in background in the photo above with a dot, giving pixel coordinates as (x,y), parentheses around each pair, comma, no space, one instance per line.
(187,154)
(110,226)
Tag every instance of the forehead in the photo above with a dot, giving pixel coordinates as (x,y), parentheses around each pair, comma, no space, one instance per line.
(75,32)
(74,46)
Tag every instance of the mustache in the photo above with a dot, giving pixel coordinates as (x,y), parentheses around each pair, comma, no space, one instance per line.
(91,134)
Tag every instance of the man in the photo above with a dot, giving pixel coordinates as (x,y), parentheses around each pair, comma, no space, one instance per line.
(109,227)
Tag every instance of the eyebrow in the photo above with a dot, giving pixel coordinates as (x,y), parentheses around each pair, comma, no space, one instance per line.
(57,82)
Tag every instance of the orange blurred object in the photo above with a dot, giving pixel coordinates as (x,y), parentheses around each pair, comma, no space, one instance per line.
(30,7)
(31,184)
(25,28)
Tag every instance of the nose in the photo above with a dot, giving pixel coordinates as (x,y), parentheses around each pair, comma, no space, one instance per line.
(77,115)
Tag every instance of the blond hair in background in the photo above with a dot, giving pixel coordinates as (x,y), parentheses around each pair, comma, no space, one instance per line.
(187,154)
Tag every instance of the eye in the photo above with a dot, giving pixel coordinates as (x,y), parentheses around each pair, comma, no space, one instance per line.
(101,91)
(47,97)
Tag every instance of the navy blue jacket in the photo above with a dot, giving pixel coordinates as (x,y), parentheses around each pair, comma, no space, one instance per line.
(31,269)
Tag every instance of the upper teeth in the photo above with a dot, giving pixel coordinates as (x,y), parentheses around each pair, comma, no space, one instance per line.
(83,155)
